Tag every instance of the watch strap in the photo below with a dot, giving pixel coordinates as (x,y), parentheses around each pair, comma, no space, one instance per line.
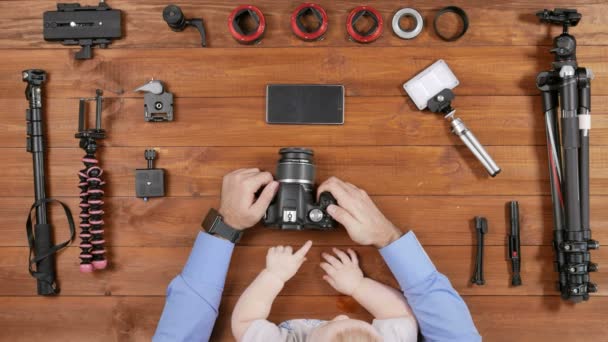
(214,224)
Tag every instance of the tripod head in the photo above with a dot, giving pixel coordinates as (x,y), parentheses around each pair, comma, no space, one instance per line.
(564,45)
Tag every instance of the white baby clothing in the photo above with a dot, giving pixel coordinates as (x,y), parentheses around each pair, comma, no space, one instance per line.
(298,330)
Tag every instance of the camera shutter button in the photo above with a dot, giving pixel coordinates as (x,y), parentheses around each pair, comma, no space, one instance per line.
(316,215)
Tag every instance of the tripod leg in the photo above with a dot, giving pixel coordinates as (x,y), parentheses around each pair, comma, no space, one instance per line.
(550,102)
(584,111)
(571,144)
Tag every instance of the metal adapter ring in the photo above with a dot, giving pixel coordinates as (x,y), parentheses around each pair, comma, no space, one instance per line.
(407,12)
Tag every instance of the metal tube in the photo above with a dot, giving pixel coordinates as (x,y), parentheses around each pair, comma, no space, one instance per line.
(468,138)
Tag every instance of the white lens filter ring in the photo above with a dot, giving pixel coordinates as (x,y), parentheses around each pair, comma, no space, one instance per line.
(412,13)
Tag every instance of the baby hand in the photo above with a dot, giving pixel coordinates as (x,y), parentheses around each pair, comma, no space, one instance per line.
(283,263)
(343,272)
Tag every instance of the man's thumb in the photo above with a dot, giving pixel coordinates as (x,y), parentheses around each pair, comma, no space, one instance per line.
(265,198)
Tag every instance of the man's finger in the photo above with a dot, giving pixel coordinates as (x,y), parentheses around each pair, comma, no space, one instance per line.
(329,269)
(247,171)
(336,187)
(262,203)
(353,256)
(288,249)
(257,180)
(341,215)
(304,249)
(343,257)
(350,186)
(332,260)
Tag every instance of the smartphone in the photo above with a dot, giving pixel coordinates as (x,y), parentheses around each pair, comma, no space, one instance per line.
(305,104)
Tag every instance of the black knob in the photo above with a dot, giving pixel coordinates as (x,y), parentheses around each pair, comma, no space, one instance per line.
(593,244)
(174,17)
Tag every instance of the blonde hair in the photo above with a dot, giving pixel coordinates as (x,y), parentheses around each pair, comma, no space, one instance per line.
(355,335)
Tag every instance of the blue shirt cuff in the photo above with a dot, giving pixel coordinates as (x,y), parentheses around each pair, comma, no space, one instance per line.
(208,262)
(408,261)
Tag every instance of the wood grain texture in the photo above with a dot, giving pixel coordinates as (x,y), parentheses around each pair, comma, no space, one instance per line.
(436,220)
(492,23)
(418,170)
(525,319)
(146,271)
(495,120)
(419,174)
(245,73)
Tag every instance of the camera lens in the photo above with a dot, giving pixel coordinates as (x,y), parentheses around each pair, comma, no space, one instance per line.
(296,166)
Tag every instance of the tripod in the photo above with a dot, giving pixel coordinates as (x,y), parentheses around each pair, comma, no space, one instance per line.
(92,255)
(569,85)
(39,234)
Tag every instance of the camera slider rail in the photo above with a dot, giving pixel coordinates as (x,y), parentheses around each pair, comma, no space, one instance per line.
(87,26)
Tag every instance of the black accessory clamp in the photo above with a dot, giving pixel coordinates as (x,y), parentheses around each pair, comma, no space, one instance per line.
(214,224)
(481,228)
(514,244)
(460,13)
(158,104)
(174,17)
(149,182)
(87,26)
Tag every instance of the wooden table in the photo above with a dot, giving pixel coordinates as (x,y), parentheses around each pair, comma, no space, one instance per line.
(419,174)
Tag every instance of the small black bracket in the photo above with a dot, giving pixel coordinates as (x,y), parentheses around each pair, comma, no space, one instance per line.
(149,182)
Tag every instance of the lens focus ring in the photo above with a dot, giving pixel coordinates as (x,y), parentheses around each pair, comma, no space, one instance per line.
(296,166)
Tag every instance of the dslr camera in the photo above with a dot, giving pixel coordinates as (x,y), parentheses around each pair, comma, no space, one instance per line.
(294,207)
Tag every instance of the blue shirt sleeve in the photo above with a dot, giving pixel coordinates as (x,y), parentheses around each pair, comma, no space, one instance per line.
(193,297)
(440,311)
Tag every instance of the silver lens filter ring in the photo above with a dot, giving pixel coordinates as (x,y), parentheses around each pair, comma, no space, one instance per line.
(407,12)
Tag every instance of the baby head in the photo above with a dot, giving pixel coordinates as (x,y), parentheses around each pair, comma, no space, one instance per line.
(345,329)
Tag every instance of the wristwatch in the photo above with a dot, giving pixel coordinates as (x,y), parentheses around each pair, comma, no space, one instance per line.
(214,224)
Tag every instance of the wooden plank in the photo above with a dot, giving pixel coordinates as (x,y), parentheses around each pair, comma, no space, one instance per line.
(419,170)
(492,23)
(174,221)
(243,73)
(146,271)
(135,318)
(369,121)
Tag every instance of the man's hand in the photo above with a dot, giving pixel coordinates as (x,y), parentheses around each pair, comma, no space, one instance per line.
(238,206)
(283,263)
(343,272)
(357,212)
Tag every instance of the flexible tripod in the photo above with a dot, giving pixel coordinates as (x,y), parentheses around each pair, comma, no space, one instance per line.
(39,234)
(569,85)
(92,255)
